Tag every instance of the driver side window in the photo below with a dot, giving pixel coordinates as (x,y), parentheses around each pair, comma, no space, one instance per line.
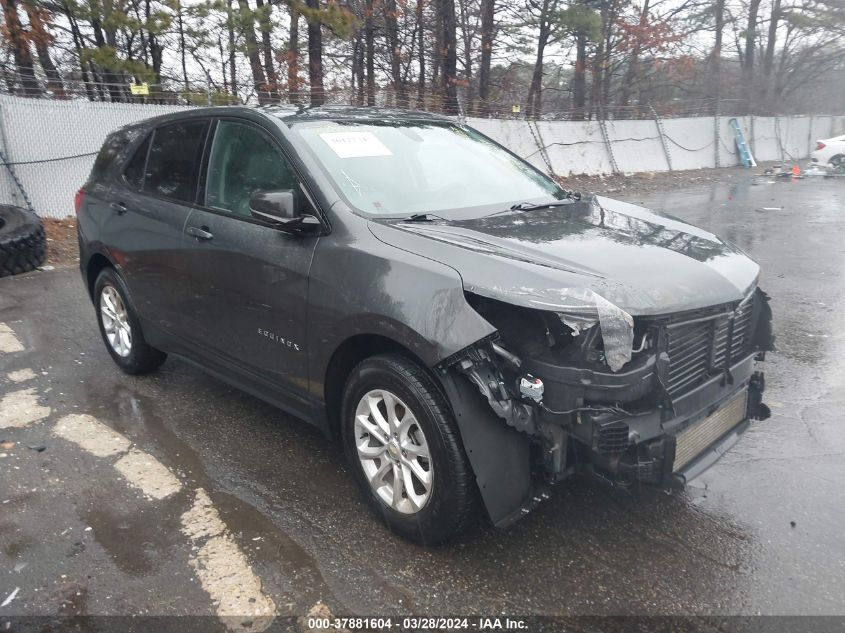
(244,161)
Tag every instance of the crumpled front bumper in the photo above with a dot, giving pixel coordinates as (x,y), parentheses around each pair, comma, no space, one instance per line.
(670,448)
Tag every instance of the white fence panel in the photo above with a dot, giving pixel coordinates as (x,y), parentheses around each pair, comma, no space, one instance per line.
(35,130)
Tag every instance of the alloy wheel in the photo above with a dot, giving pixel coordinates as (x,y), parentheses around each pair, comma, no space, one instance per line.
(393,451)
(115,321)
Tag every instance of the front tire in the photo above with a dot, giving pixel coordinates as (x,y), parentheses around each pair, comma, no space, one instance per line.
(404,447)
(120,328)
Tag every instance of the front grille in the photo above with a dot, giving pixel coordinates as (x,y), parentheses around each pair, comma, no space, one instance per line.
(692,441)
(705,344)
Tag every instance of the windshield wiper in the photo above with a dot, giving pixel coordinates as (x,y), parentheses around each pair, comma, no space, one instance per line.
(530,206)
(423,217)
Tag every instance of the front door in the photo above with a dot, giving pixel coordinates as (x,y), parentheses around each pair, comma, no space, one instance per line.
(249,281)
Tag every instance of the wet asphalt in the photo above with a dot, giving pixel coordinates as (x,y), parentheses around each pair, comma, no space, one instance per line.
(760,533)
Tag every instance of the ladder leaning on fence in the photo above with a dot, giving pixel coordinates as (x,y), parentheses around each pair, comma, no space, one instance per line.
(742,146)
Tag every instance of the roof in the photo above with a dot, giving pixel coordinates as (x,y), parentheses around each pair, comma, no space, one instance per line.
(290,114)
(294,114)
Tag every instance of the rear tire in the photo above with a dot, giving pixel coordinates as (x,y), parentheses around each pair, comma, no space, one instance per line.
(426,446)
(120,327)
(836,161)
(23,246)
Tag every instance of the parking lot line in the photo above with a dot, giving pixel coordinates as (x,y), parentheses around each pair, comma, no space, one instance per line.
(20,408)
(221,567)
(145,472)
(9,343)
(223,570)
(91,435)
(21,375)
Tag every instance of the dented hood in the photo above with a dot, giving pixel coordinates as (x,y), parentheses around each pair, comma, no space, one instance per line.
(644,262)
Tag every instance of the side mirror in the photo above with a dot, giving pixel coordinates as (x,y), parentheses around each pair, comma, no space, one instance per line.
(279,209)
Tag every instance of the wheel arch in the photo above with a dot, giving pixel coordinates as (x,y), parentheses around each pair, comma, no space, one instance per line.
(346,357)
(499,456)
(95,265)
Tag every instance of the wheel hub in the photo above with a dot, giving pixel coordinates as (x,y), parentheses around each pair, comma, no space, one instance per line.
(115,321)
(393,451)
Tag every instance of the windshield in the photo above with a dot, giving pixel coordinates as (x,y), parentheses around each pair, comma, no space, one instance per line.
(419,167)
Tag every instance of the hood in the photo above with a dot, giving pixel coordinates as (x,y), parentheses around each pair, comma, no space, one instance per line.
(643,262)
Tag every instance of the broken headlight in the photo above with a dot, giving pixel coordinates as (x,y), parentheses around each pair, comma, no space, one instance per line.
(615,326)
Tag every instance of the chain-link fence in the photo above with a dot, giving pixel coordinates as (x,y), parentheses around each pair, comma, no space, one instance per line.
(47,146)
(507,103)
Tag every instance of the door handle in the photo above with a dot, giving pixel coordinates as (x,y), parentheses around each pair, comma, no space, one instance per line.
(118,207)
(200,233)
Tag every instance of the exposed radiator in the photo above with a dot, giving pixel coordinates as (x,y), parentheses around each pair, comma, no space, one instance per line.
(691,442)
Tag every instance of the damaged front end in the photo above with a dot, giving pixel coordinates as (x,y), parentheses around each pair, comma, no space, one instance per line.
(651,400)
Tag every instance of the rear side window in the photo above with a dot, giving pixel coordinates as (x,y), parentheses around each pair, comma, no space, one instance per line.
(173,161)
(115,143)
(134,172)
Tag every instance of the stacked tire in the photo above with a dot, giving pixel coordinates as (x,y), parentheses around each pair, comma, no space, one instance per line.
(23,246)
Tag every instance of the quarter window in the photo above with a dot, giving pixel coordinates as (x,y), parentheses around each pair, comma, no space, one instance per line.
(174,158)
(244,161)
(134,172)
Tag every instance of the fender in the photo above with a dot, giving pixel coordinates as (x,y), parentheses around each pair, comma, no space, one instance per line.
(359,285)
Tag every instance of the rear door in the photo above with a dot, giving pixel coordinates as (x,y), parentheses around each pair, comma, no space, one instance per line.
(148,211)
(249,281)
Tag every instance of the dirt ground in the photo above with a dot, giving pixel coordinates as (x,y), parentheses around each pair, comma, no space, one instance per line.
(62,247)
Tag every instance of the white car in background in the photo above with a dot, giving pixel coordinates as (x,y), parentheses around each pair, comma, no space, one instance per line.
(829,151)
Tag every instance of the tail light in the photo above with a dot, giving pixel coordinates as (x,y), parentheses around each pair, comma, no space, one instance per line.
(819,145)
(78,199)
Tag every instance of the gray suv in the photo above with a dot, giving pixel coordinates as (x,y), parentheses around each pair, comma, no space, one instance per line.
(469,329)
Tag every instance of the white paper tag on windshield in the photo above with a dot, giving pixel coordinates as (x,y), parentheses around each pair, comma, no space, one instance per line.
(355,144)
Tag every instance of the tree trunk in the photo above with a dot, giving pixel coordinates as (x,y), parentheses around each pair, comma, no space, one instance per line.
(233,74)
(716,54)
(113,76)
(607,31)
(265,26)
(421,33)
(597,70)
(224,71)
(42,39)
(449,73)
(750,49)
(315,56)
(359,100)
(293,55)
(771,42)
(467,41)
(534,106)
(437,57)
(181,30)
(392,31)
(369,44)
(79,46)
(579,77)
(19,43)
(488,35)
(258,77)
